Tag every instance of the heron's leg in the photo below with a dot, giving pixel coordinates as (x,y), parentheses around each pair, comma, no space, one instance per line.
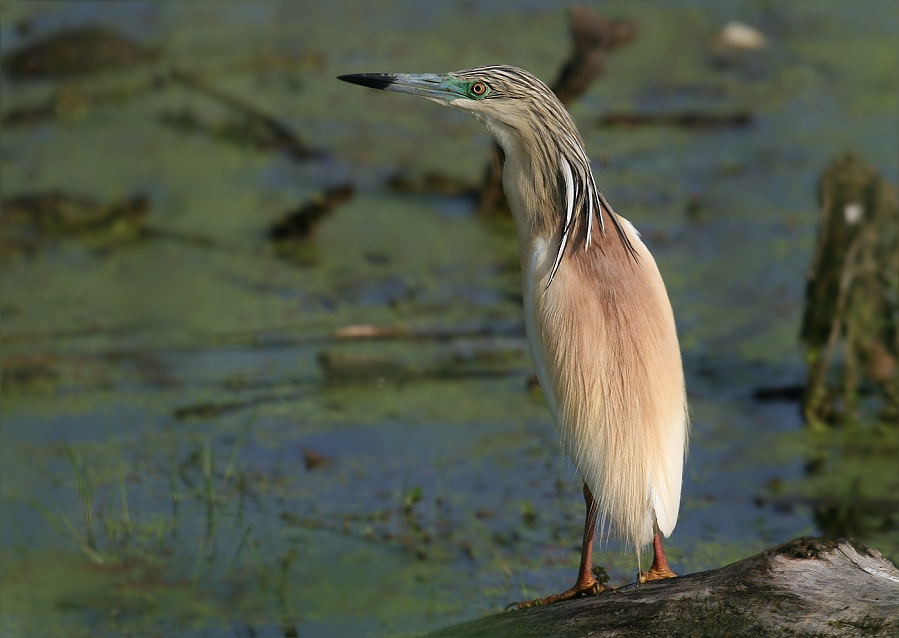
(585,584)
(659,568)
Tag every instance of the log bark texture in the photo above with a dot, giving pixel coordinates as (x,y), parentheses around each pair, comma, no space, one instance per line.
(804,588)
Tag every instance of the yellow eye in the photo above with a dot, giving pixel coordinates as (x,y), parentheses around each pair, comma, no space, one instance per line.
(478,88)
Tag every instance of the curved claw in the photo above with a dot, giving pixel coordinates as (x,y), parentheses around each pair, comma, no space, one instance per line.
(591,588)
(655,573)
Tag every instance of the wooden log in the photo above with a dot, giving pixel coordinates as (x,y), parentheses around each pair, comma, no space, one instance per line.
(804,588)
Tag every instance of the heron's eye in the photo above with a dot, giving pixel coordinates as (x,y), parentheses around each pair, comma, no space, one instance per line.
(478,89)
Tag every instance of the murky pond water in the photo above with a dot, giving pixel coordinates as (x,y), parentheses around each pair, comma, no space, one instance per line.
(187,446)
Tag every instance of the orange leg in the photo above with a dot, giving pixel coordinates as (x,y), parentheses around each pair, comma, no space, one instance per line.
(585,584)
(659,569)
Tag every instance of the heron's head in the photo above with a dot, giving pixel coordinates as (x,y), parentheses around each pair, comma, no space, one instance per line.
(552,174)
(506,99)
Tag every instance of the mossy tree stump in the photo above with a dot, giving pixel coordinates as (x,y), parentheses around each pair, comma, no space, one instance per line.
(850,328)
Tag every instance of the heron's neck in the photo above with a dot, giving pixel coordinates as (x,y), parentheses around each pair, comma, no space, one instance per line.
(530,191)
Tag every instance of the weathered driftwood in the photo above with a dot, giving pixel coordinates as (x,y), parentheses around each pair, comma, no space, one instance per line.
(808,587)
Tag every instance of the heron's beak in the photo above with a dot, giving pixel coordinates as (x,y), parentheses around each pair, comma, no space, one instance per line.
(432,86)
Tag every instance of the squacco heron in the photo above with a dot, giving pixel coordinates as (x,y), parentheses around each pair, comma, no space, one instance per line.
(598,319)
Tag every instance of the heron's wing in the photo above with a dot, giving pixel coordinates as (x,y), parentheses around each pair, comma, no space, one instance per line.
(607,347)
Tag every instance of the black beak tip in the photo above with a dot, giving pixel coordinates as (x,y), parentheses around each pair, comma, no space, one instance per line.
(371,80)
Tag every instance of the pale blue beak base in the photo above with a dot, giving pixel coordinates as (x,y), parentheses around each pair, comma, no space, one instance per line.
(433,86)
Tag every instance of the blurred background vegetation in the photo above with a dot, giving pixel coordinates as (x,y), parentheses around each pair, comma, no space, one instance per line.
(262,357)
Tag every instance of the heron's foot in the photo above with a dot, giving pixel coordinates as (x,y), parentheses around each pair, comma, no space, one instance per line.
(659,569)
(655,572)
(590,587)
